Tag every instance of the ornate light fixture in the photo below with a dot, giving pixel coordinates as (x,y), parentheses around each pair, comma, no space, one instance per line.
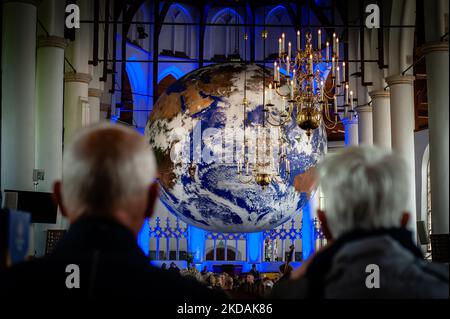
(261,162)
(310,96)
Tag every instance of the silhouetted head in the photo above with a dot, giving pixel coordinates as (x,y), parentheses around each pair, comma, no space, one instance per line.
(365,188)
(109,171)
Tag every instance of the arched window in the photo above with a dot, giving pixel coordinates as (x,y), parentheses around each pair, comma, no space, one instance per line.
(174,39)
(226,42)
(278,16)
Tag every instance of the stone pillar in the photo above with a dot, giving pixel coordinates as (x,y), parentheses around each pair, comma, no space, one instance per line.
(351,130)
(94,104)
(402,130)
(49,108)
(76,103)
(381,113)
(365,128)
(438,108)
(78,77)
(18,94)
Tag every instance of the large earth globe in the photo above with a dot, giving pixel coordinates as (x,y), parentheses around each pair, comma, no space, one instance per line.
(186,120)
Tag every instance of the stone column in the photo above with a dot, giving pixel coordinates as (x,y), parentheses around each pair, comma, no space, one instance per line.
(49,108)
(18,94)
(78,77)
(351,130)
(94,104)
(75,102)
(381,118)
(365,128)
(402,130)
(438,108)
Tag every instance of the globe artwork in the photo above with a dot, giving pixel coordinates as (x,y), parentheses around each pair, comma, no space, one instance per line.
(196,130)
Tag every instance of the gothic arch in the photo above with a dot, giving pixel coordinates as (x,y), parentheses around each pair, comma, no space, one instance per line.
(225,40)
(176,39)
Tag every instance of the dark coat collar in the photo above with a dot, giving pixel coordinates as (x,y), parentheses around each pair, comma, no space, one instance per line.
(92,232)
(322,262)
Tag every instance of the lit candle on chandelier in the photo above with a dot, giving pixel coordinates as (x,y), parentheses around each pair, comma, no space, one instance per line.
(270,93)
(346,94)
(334,43)
(283,42)
(299,42)
(337,48)
(288,65)
(292,89)
(294,78)
(275,71)
(279,47)
(321,90)
(289,50)
(332,67)
(351,100)
(328,52)
(319,39)
(343,72)
(338,76)
(278,74)
(311,65)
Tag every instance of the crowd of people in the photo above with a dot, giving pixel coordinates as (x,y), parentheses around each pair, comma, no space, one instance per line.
(249,285)
(109,188)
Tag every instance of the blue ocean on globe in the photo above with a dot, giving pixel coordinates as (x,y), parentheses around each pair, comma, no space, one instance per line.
(209,194)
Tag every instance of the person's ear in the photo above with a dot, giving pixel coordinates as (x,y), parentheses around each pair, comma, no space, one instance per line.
(153,194)
(405,219)
(324,224)
(57,197)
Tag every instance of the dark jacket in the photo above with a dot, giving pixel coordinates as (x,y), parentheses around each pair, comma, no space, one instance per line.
(111,265)
(340,271)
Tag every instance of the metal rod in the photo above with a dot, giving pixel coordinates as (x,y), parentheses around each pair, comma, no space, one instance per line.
(312,26)
(106,43)
(221,62)
(113,80)
(95,44)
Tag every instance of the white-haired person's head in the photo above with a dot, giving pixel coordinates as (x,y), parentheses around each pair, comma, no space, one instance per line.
(364,188)
(108,170)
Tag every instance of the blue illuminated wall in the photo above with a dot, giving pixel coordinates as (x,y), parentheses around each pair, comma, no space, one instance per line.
(254,247)
(307,232)
(144,238)
(196,243)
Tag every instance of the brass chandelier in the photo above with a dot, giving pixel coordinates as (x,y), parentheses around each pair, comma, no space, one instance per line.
(264,158)
(316,82)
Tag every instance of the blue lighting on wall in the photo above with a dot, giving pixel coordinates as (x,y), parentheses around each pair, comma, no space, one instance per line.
(143,238)
(275,9)
(307,232)
(196,243)
(225,11)
(171,70)
(136,76)
(254,244)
